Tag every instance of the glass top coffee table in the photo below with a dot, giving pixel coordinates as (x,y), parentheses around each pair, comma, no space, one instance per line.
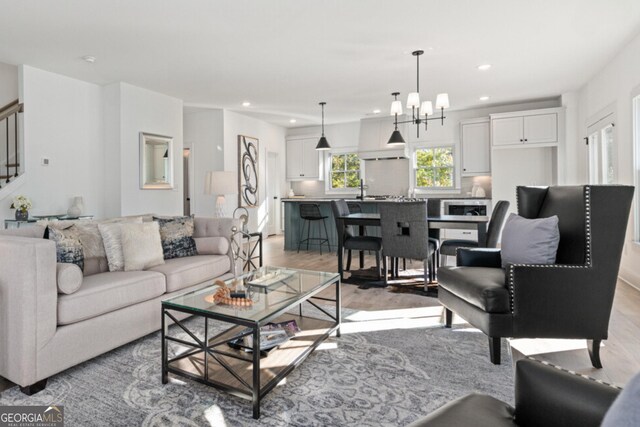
(232,360)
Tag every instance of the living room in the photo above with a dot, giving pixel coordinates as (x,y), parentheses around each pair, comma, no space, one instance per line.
(229,139)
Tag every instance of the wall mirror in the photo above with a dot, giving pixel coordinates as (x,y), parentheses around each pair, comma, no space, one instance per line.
(156,162)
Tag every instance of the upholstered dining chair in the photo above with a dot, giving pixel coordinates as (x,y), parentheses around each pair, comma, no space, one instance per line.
(498,216)
(570,299)
(351,240)
(405,234)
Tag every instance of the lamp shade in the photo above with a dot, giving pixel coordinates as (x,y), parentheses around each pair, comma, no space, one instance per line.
(413,100)
(442,101)
(396,108)
(396,138)
(426,108)
(221,183)
(323,144)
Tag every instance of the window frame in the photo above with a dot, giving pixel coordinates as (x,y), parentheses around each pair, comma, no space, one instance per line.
(327,171)
(455,146)
(635,135)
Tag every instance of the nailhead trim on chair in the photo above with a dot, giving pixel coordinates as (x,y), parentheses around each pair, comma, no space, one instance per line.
(575,373)
(587,204)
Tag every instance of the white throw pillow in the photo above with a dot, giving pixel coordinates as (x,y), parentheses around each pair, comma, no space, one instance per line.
(111,237)
(141,246)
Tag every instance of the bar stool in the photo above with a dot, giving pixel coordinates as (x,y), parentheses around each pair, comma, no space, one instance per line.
(310,212)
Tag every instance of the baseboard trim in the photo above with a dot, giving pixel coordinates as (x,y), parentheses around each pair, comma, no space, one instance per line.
(633,285)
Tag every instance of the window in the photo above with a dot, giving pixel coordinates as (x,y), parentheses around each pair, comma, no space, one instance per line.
(602,150)
(636,147)
(434,168)
(345,171)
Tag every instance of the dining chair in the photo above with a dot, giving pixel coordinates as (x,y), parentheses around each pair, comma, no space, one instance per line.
(498,217)
(405,234)
(353,241)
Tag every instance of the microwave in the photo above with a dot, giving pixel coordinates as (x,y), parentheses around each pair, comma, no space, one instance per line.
(466,207)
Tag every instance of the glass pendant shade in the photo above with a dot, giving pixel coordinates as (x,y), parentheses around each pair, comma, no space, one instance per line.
(426,108)
(396,108)
(413,100)
(442,101)
(323,144)
(396,138)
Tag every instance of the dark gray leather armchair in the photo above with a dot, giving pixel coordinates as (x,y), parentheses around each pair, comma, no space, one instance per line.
(569,299)
(544,396)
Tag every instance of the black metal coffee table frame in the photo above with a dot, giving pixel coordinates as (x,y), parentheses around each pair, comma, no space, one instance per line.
(216,346)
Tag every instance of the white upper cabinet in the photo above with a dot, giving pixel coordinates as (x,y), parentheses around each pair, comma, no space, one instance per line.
(525,127)
(476,147)
(303,160)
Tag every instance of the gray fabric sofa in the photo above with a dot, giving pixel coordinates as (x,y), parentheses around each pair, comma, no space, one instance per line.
(43,332)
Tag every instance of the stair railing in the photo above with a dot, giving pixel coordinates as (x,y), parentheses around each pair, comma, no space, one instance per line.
(9,114)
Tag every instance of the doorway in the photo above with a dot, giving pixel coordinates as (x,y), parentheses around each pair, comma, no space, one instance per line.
(186,209)
(273,193)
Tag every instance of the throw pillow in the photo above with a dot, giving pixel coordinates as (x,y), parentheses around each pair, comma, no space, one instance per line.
(625,412)
(176,234)
(111,237)
(69,278)
(95,259)
(212,245)
(141,246)
(530,241)
(68,246)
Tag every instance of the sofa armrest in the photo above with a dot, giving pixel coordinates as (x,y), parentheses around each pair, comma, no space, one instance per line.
(28,305)
(478,257)
(550,396)
(220,227)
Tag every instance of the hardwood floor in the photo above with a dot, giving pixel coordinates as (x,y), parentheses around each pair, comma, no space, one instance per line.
(620,354)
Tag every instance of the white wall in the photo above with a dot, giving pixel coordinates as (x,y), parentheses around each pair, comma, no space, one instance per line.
(8,83)
(204,135)
(614,84)
(63,122)
(272,139)
(131,110)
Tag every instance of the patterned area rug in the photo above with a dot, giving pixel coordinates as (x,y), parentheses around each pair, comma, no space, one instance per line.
(375,378)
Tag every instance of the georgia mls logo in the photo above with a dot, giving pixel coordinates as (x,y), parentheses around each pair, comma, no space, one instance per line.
(32,416)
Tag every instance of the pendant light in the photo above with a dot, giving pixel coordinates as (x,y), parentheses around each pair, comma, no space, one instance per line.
(396,108)
(323,144)
(419,112)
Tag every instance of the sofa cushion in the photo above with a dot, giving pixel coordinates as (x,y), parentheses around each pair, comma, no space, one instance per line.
(141,246)
(105,292)
(68,246)
(69,278)
(212,245)
(184,272)
(177,236)
(480,286)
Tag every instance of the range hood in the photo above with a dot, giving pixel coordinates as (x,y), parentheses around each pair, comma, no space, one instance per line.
(372,142)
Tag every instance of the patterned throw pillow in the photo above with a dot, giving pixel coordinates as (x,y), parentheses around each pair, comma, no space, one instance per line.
(68,246)
(176,234)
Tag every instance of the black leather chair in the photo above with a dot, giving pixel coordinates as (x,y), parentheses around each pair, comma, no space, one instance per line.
(498,216)
(569,299)
(544,396)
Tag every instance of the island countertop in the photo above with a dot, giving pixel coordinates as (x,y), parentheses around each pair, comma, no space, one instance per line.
(371,200)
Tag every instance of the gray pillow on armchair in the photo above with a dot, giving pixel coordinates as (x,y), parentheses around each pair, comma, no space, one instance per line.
(530,241)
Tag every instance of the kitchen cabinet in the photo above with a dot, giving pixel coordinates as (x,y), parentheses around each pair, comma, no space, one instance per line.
(525,127)
(303,160)
(476,147)
(373,138)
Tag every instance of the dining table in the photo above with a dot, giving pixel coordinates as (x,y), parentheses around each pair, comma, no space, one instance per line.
(435,222)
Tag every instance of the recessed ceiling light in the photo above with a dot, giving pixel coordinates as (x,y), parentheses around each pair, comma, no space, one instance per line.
(484,67)
(292,121)
(246,104)
(376,111)
(88,58)
(484,98)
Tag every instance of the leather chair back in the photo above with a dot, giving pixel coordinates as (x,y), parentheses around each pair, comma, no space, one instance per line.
(405,230)
(340,208)
(498,216)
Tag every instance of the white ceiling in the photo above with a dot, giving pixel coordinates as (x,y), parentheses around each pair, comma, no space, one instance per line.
(284,56)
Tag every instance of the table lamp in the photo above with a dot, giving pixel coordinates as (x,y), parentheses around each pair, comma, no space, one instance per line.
(220,183)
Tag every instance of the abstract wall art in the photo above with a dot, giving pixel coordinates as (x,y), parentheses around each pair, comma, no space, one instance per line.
(247,171)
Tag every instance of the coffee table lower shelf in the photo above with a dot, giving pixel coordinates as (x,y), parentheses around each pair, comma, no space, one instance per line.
(233,370)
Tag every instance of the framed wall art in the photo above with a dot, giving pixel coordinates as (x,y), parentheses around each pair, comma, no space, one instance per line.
(248,183)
